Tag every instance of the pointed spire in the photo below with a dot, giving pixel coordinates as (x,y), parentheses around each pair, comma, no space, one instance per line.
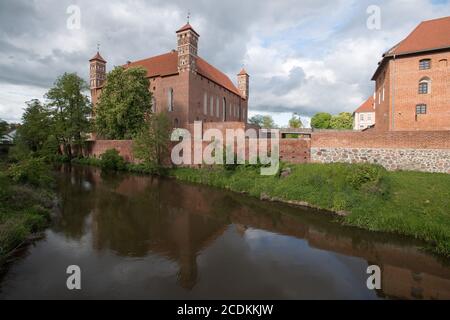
(243,72)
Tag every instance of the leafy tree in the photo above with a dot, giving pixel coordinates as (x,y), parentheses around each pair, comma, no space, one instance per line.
(295,122)
(3,127)
(151,144)
(268,123)
(71,110)
(321,120)
(125,99)
(265,122)
(37,125)
(343,120)
(256,120)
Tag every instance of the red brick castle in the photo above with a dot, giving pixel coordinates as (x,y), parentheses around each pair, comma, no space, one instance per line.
(184,85)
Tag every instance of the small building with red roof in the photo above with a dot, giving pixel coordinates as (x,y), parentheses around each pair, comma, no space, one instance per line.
(364,116)
(184,85)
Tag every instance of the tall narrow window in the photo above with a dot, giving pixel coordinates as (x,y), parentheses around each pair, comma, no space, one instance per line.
(170,100)
(211,106)
(217,107)
(224,109)
(425,64)
(153,104)
(205,103)
(424,86)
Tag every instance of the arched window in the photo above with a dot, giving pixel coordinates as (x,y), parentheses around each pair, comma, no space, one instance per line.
(424,85)
(425,64)
(176,123)
(205,103)
(224,104)
(170,100)
(153,104)
(443,63)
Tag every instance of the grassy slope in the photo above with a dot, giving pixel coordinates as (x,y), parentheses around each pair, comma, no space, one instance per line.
(409,203)
(24,210)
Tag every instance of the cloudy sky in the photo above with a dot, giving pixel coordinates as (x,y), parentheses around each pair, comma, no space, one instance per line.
(303,56)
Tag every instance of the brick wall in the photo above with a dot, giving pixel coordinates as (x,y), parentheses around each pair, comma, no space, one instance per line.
(374,139)
(421,151)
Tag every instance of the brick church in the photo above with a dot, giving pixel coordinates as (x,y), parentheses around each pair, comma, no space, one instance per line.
(184,85)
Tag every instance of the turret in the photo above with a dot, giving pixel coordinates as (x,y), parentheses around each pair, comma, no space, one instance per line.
(97,71)
(187,48)
(243,83)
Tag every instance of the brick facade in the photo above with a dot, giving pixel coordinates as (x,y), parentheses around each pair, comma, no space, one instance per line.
(399,79)
(184,85)
(412,81)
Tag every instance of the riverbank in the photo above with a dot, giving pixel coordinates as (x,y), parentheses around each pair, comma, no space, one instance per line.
(408,203)
(414,204)
(25,204)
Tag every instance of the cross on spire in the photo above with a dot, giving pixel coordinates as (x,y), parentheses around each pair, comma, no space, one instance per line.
(188,16)
(98,46)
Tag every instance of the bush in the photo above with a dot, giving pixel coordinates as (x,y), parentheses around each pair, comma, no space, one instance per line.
(112,160)
(364,174)
(33,171)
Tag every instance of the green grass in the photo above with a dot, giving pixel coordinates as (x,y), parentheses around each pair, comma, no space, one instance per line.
(408,203)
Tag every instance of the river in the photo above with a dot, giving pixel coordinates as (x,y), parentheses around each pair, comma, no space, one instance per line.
(141,237)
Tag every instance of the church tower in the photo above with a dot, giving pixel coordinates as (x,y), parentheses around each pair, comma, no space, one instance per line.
(97,71)
(97,76)
(243,83)
(187,48)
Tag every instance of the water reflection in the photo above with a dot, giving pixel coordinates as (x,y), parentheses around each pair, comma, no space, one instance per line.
(214,244)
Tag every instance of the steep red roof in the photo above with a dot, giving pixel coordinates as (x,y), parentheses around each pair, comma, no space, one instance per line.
(367,106)
(167,64)
(162,65)
(98,57)
(428,35)
(187,26)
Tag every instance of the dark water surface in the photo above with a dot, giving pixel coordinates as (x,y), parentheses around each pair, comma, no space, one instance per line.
(148,238)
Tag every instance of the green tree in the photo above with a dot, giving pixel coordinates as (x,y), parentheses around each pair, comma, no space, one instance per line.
(343,120)
(256,120)
(151,144)
(321,120)
(265,122)
(37,125)
(3,127)
(295,122)
(125,99)
(71,110)
(268,123)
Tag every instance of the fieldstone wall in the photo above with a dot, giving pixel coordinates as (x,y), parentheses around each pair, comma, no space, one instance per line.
(426,160)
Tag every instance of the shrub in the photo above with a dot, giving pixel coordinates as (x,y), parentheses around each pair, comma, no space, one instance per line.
(112,160)
(12,233)
(363,174)
(33,171)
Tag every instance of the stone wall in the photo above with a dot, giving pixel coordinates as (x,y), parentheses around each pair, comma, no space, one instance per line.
(427,160)
(427,151)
